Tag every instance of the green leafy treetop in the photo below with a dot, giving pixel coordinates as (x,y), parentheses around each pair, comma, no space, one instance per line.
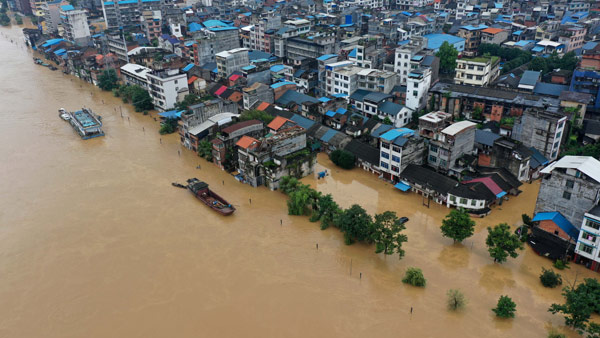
(447,54)
(458,225)
(502,243)
(506,307)
(386,234)
(356,224)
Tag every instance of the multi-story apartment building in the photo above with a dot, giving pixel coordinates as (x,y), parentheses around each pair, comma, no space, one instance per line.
(151,24)
(75,25)
(377,80)
(231,60)
(572,37)
(494,36)
(477,71)
(317,45)
(450,144)
(256,94)
(117,45)
(127,12)
(341,79)
(542,129)
(417,87)
(261,35)
(586,78)
(134,74)
(397,149)
(404,54)
(570,186)
(166,86)
(51,13)
(587,250)
(472,36)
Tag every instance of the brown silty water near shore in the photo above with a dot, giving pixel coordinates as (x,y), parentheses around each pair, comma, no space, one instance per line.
(94,241)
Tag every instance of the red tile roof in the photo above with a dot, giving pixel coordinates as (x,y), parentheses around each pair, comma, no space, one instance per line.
(489,183)
(220,90)
(246,141)
(492,30)
(263,106)
(192,79)
(234,77)
(277,122)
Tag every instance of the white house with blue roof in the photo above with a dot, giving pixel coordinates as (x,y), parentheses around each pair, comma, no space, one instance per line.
(587,250)
(398,147)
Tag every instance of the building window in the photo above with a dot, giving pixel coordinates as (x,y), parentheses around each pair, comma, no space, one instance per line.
(384,165)
(415,93)
(385,155)
(432,159)
(567,195)
(473,203)
(588,236)
(396,149)
(452,198)
(433,148)
(586,248)
(395,158)
(570,184)
(385,145)
(396,169)
(463,201)
(592,224)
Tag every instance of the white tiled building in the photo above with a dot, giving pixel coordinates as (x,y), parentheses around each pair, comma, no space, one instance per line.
(165,87)
(342,80)
(588,243)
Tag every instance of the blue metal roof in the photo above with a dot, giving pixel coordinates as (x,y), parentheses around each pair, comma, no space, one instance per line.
(389,108)
(214,23)
(326,57)
(402,186)
(435,41)
(341,110)
(52,42)
(124,2)
(171,114)
(352,54)
(340,95)
(60,51)
(279,84)
(330,113)
(218,29)
(559,220)
(324,99)
(328,135)
(67,8)
(188,67)
(380,130)
(277,68)
(394,133)
(302,121)
(537,49)
(194,27)
(474,28)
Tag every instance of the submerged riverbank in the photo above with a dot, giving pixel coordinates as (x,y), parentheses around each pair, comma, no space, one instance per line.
(95,242)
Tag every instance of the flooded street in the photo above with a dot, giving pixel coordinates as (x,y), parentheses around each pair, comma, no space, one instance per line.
(94,241)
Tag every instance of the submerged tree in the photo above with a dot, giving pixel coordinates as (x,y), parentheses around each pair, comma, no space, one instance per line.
(326,211)
(502,243)
(414,277)
(108,80)
(458,225)
(506,307)
(456,299)
(356,224)
(386,234)
(580,302)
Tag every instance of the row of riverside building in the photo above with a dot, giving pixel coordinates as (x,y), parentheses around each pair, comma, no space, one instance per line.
(366,77)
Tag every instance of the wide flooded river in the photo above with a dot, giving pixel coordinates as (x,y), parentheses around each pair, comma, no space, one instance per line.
(94,241)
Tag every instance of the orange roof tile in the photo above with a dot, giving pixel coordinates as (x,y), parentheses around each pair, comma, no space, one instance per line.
(192,79)
(246,141)
(263,106)
(492,30)
(277,122)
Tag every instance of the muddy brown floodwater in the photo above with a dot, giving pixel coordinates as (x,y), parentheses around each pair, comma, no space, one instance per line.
(94,241)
